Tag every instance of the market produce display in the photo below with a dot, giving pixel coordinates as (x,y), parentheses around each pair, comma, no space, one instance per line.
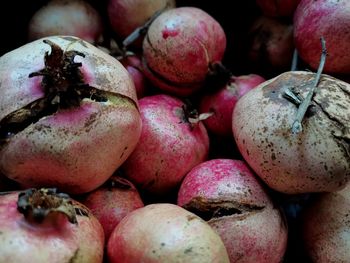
(175,131)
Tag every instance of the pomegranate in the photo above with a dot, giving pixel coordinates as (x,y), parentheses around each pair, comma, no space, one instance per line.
(270,45)
(127,15)
(133,66)
(68,117)
(42,225)
(278,8)
(227,195)
(317,158)
(326,227)
(112,202)
(66,17)
(328,19)
(223,101)
(164,233)
(180,47)
(169,145)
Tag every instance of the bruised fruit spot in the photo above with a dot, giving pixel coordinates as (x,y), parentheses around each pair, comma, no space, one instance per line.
(169,33)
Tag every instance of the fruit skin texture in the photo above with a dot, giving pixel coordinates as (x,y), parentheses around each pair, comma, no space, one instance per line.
(112,202)
(328,19)
(126,15)
(55,240)
(326,227)
(223,101)
(179,47)
(314,160)
(164,233)
(66,17)
(238,209)
(75,149)
(168,147)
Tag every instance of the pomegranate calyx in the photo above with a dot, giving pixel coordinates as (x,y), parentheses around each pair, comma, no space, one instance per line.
(36,204)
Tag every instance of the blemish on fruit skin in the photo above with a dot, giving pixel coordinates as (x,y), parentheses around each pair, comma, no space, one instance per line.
(169,33)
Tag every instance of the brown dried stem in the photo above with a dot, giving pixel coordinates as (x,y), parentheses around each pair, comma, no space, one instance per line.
(297,127)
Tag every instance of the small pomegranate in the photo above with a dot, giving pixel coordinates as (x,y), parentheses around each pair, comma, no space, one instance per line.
(227,195)
(133,66)
(223,101)
(328,19)
(112,202)
(180,47)
(68,116)
(326,227)
(42,225)
(314,159)
(127,15)
(165,233)
(169,146)
(66,17)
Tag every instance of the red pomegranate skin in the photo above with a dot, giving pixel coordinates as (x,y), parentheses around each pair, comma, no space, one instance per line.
(179,46)
(328,19)
(168,148)
(278,8)
(164,232)
(111,202)
(75,149)
(54,240)
(223,101)
(242,213)
(133,66)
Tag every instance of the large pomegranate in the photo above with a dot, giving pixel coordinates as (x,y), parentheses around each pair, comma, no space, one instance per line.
(180,48)
(68,116)
(165,233)
(229,197)
(317,158)
(169,146)
(41,225)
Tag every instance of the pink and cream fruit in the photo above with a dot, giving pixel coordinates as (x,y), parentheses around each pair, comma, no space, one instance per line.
(111,202)
(66,17)
(169,145)
(165,233)
(179,48)
(325,227)
(41,225)
(127,15)
(227,195)
(69,115)
(313,160)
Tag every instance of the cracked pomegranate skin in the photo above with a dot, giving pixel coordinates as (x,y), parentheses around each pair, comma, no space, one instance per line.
(230,198)
(54,240)
(76,149)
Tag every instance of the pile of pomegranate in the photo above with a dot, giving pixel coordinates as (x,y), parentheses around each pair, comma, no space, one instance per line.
(175,131)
